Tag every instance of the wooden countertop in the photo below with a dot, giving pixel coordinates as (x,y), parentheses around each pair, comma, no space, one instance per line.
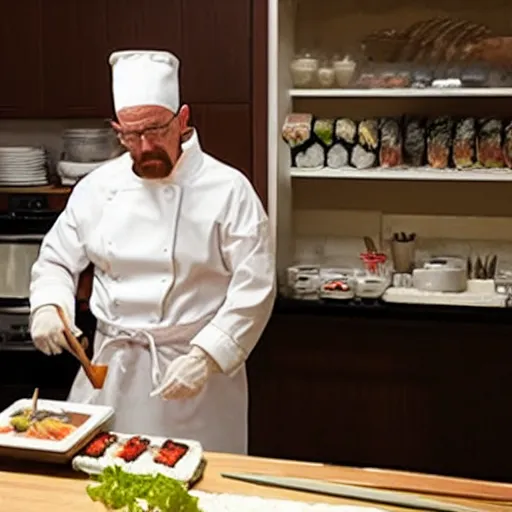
(25,486)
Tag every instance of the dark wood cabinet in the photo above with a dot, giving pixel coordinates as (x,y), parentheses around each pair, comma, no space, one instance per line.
(56,62)
(20,59)
(55,65)
(225,132)
(216,51)
(401,391)
(75,67)
(156,25)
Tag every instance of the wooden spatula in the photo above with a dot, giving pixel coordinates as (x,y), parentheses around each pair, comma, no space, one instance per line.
(95,373)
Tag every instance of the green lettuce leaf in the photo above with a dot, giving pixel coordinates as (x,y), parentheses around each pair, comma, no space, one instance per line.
(118,490)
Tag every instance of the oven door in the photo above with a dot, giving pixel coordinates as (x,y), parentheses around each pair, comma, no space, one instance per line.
(17,255)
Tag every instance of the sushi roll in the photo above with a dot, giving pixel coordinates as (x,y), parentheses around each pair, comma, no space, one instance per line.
(345,133)
(324,131)
(132,449)
(170,453)
(464,143)
(489,143)
(507,145)
(390,154)
(297,129)
(414,142)
(365,152)
(297,132)
(98,446)
(439,141)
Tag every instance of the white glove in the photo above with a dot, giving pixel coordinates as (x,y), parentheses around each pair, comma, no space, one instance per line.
(186,375)
(47,331)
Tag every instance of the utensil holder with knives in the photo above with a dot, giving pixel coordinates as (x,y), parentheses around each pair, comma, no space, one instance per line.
(403,252)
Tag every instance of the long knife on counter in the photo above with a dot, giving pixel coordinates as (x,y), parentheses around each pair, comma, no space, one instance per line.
(351,491)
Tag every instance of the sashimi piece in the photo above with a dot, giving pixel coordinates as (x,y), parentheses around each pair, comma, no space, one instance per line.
(98,446)
(133,448)
(170,453)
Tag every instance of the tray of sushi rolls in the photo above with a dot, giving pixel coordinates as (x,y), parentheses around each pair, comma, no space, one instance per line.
(181,459)
(405,142)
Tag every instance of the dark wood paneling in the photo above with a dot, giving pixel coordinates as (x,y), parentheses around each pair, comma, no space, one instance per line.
(156,26)
(75,59)
(259,113)
(216,52)
(20,59)
(420,395)
(225,132)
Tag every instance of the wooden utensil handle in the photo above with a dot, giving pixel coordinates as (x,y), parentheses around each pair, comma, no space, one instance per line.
(76,348)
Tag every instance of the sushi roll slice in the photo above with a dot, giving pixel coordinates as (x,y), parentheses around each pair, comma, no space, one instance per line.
(99,444)
(297,132)
(390,154)
(489,143)
(345,132)
(507,145)
(297,129)
(439,141)
(311,158)
(133,448)
(414,142)
(170,453)
(365,152)
(464,143)
(324,131)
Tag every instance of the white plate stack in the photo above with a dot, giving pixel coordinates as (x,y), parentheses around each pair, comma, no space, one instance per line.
(22,166)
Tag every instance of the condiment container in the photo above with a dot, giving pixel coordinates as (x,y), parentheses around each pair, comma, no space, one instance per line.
(304,68)
(344,70)
(326,75)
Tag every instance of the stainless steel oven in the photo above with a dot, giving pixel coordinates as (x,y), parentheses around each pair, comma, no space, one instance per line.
(23,225)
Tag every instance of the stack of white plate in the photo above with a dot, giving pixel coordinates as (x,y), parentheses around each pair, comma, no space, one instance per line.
(22,166)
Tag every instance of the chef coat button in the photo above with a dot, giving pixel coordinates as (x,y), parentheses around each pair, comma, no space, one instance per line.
(166,250)
(169,191)
(116,303)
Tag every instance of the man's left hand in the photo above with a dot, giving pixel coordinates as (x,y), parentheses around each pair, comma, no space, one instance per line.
(186,376)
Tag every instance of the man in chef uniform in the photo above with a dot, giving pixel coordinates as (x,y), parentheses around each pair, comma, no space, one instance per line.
(184,269)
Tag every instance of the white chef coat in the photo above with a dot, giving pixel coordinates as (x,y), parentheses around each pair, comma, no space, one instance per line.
(191,249)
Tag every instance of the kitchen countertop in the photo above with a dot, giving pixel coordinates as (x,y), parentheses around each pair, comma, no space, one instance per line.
(25,486)
(380,309)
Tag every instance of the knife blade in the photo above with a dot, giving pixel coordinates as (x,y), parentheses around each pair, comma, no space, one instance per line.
(350,491)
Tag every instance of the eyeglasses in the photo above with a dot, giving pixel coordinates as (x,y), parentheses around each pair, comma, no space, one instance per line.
(152,134)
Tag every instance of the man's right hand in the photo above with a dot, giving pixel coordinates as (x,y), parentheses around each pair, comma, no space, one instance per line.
(47,331)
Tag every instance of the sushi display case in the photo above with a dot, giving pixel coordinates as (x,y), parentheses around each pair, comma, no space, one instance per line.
(392,91)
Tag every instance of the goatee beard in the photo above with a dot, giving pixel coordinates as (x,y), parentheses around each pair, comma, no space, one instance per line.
(153,165)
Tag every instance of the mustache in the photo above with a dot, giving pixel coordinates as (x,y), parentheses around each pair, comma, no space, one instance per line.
(155,155)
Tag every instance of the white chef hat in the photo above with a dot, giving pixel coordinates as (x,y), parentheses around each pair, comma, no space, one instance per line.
(145,78)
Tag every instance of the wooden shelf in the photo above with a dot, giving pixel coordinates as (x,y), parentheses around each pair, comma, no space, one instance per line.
(429,92)
(47,189)
(419,174)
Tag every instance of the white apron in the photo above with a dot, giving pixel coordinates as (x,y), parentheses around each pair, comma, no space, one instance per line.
(137,360)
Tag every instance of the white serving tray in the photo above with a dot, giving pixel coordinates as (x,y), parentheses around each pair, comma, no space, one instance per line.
(413,296)
(185,470)
(42,449)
